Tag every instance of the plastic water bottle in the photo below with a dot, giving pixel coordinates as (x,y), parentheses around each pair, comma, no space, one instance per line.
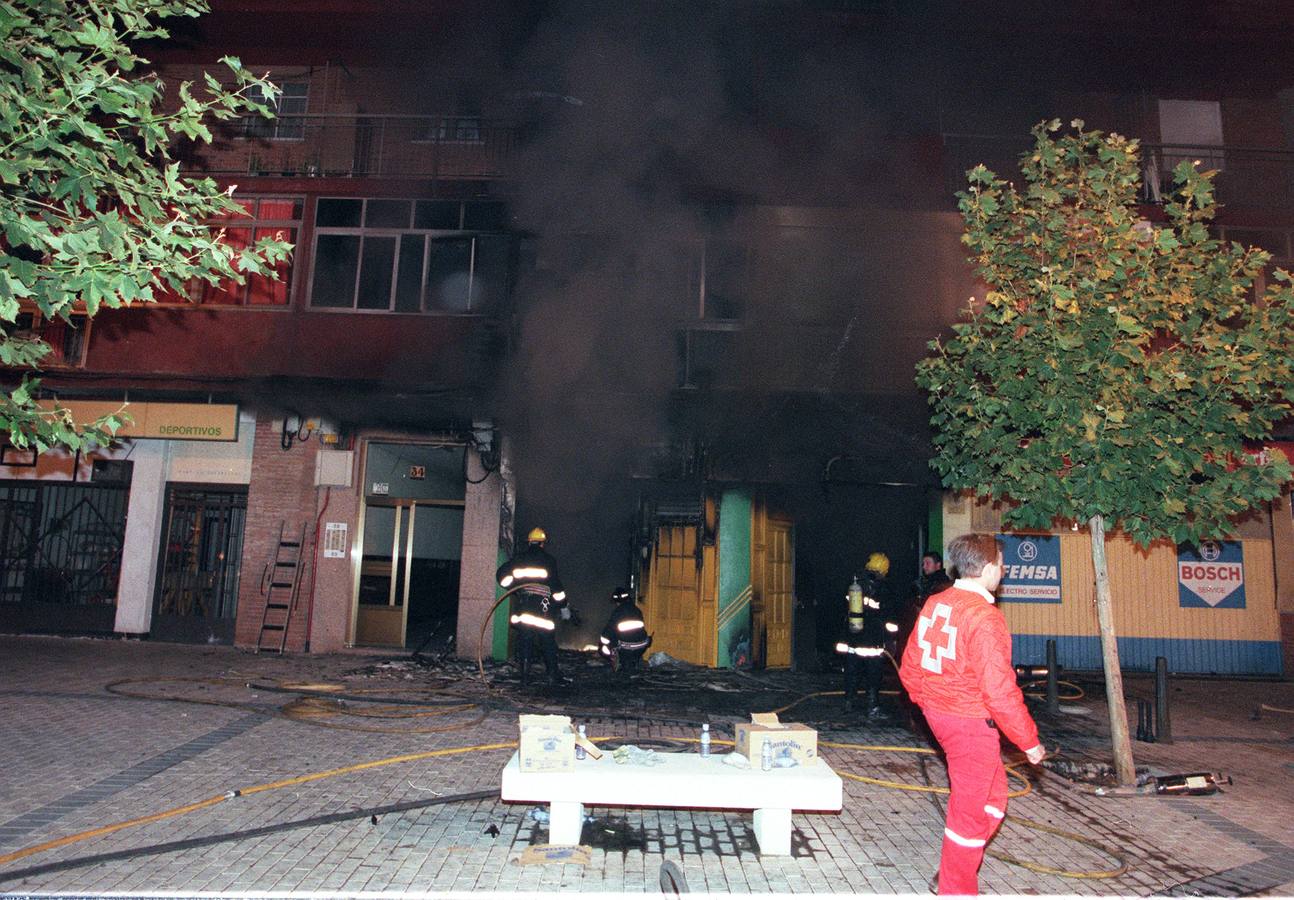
(580,752)
(766,756)
(705,740)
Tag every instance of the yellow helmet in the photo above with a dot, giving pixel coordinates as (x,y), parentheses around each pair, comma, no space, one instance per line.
(879,564)
(537,536)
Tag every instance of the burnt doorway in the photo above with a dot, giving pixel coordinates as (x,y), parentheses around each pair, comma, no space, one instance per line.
(412,536)
(199,564)
(60,555)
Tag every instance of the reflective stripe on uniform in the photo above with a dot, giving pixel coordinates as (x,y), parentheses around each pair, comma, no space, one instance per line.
(860,651)
(634,645)
(530,572)
(963,841)
(533,621)
(995,812)
(559,596)
(629,625)
(891,627)
(506,581)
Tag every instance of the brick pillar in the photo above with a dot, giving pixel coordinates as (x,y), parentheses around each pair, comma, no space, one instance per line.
(480,559)
(282,490)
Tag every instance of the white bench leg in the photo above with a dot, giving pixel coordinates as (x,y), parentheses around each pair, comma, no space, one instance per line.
(773,831)
(565,821)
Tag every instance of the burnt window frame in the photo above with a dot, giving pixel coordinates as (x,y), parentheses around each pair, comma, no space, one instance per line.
(401,234)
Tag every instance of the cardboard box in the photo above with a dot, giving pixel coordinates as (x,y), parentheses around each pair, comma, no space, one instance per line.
(800,742)
(547,744)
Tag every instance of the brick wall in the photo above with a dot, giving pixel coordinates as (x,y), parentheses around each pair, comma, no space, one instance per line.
(281,490)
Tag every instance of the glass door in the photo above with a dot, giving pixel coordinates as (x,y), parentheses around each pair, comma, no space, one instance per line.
(384,574)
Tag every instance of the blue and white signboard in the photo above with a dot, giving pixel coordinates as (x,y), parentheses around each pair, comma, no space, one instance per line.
(1211,575)
(1030,568)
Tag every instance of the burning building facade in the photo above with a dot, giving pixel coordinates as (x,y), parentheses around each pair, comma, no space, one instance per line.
(653,277)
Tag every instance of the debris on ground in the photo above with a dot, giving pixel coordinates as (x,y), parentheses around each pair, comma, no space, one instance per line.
(542,854)
(1097,773)
(660,659)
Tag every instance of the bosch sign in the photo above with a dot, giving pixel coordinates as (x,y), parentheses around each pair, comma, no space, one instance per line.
(1211,575)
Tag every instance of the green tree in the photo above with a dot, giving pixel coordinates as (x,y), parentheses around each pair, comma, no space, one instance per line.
(93,208)
(1115,370)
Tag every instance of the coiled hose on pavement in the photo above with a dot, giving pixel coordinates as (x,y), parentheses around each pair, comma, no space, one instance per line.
(317,704)
(318,699)
(451,751)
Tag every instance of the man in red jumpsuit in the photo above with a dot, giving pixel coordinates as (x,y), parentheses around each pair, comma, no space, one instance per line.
(957,668)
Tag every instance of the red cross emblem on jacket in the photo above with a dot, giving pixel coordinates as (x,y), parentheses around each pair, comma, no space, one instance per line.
(937,638)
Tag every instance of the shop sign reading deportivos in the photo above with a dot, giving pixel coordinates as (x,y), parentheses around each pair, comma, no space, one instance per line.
(163,421)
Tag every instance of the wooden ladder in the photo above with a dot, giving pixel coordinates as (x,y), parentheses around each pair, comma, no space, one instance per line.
(280,586)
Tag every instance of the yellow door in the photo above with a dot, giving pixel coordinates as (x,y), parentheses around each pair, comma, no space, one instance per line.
(673,606)
(778,591)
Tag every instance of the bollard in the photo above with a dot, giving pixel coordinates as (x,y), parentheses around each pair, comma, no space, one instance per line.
(1053,689)
(1165,722)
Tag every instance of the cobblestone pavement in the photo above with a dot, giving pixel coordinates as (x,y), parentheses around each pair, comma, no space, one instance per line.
(75,757)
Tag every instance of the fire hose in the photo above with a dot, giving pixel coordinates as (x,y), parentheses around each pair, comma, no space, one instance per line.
(451,751)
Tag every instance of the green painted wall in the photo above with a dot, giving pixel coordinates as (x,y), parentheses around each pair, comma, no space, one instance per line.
(499,634)
(935,522)
(734,574)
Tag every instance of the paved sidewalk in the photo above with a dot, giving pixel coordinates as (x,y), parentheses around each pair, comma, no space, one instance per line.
(75,757)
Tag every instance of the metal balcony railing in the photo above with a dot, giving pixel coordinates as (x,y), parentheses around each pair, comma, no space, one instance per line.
(350,145)
(1248,177)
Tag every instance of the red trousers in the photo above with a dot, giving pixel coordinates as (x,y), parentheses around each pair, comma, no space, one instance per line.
(977,803)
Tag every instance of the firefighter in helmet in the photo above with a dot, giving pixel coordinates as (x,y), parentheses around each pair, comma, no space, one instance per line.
(535,604)
(625,639)
(869,625)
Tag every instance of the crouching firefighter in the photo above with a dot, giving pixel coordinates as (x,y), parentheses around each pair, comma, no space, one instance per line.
(868,626)
(625,639)
(539,597)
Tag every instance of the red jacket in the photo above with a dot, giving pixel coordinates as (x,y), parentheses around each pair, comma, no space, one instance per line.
(958,662)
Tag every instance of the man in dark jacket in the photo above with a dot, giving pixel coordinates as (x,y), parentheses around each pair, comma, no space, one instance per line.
(869,624)
(933,577)
(539,597)
(933,580)
(625,639)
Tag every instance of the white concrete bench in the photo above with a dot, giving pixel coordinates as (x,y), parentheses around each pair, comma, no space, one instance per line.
(682,781)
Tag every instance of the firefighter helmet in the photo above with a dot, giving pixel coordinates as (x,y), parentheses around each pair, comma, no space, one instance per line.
(537,536)
(878,564)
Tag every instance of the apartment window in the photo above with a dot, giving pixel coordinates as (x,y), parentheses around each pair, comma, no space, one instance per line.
(266,217)
(449,129)
(1191,130)
(727,279)
(67,338)
(706,355)
(290,108)
(409,256)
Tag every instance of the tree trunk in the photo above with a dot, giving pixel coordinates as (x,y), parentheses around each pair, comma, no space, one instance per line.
(1123,766)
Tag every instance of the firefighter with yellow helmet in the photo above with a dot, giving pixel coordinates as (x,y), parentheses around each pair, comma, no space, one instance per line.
(869,624)
(625,639)
(536,604)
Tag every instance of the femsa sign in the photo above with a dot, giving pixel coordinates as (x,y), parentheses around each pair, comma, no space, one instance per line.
(1211,575)
(1030,568)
